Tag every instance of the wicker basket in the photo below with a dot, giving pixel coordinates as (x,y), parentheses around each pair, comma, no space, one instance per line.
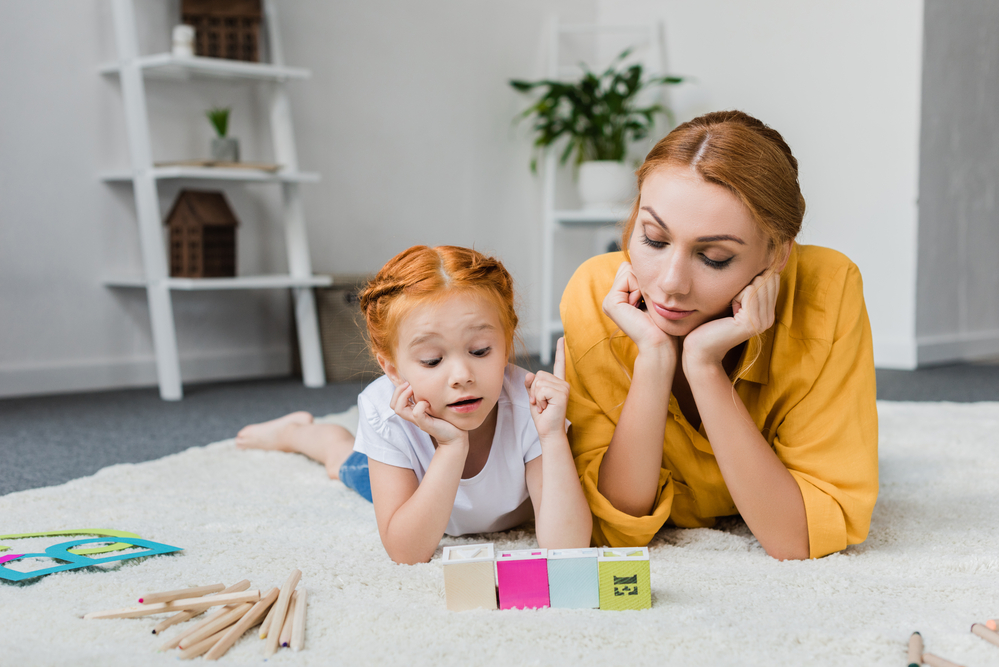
(224,28)
(341,327)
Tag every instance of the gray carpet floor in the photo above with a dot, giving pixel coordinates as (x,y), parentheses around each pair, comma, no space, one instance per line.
(48,440)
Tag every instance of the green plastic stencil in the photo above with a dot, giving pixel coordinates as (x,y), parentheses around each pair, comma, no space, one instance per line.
(100,532)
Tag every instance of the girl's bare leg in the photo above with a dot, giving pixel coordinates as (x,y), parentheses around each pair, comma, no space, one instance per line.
(328,444)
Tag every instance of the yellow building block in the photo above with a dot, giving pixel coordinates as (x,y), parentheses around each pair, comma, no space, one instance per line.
(624,578)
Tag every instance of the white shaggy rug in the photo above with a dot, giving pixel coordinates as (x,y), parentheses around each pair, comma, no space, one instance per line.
(931,563)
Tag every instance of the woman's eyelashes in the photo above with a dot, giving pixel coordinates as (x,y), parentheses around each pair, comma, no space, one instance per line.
(658,245)
(481,352)
(713,263)
(430,363)
(716,263)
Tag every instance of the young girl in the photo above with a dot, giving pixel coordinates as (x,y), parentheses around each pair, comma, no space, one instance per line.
(452,439)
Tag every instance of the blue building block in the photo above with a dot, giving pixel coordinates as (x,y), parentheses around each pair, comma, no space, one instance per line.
(573,581)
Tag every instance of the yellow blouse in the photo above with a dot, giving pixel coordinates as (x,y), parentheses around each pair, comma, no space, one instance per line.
(811,392)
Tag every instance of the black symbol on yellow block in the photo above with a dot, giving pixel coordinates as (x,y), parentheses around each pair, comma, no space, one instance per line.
(621,586)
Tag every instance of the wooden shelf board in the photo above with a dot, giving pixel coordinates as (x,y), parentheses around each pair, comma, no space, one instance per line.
(218,174)
(167,66)
(239,282)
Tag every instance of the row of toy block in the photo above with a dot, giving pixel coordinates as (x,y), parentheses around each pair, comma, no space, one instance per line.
(588,578)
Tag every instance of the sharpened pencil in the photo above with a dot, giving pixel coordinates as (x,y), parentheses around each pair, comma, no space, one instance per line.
(915,649)
(267,623)
(238,587)
(298,629)
(988,635)
(937,661)
(196,604)
(248,621)
(277,621)
(221,623)
(180,594)
(289,622)
(203,646)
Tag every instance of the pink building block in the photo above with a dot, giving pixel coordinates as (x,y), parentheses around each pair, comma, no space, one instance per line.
(523,578)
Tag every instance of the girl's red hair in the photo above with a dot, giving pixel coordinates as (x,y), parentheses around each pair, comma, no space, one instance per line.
(423,276)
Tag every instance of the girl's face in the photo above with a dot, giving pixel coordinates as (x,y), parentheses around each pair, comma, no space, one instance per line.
(453,355)
(694,247)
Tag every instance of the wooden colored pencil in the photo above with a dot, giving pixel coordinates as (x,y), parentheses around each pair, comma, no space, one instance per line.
(915,649)
(289,620)
(187,615)
(937,661)
(203,646)
(196,604)
(248,621)
(180,594)
(267,623)
(986,634)
(277,621)
(176,641)
(298,629)
(222,622)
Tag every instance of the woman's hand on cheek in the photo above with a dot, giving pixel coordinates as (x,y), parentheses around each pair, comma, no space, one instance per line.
(621,305)
(752,313)
(405,405)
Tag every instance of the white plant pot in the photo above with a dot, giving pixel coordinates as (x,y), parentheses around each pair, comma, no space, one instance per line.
(606,184)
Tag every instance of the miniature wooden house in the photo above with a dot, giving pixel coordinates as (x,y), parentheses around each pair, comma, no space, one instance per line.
(224,28)
(572,578)
(469,577)
(202,236)
(625,581)
(522,578)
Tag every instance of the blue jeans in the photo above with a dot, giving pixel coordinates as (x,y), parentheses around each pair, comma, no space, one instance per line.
(354,473)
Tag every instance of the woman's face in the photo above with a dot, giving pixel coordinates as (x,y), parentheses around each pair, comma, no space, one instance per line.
(694,247)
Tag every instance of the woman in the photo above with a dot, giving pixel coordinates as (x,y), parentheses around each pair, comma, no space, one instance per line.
(716,367)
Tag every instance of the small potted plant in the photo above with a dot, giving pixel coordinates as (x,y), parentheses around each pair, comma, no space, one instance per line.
(224,149)
(600,116)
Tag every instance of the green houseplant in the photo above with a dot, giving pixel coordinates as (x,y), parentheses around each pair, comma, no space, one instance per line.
(598,115)
(224,149)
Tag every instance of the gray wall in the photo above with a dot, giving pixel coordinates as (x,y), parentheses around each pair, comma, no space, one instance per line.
(957,305)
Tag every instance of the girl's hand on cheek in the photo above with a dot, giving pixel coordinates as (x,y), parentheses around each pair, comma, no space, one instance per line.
(621,305)
(405,405)
(752,313)
(549,394)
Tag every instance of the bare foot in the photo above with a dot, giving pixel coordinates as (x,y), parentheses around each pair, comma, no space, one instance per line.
(267,435)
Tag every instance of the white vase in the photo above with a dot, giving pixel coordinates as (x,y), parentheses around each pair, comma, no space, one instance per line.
(606,184)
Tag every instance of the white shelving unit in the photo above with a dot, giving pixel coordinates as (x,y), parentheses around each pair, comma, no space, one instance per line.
(554,219)
(132,69)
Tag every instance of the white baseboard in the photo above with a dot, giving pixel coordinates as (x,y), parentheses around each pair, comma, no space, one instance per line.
(965,346)
(97,375)
(895,353)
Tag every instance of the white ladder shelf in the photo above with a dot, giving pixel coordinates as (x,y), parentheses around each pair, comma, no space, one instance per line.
(132,70)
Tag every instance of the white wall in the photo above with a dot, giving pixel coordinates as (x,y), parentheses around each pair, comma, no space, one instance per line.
(407,118)
(841,82)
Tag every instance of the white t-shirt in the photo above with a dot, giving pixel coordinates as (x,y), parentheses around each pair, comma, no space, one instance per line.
(496,498)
